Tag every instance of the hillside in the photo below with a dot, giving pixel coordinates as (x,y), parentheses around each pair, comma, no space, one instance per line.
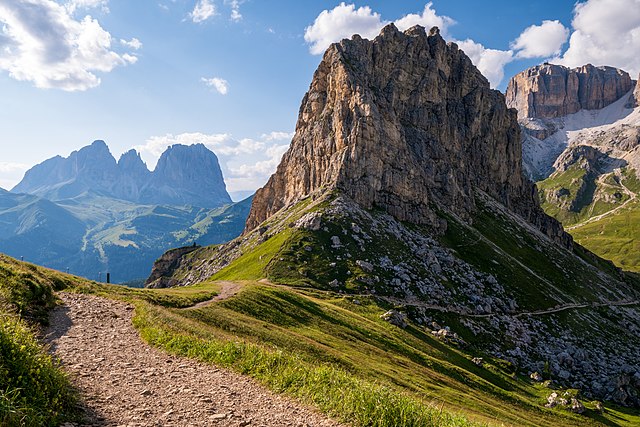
(430,226)
(91,235)
(586,155)
(88,215)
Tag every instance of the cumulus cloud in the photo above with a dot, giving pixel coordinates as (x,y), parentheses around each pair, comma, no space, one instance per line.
(541,41)
(247,163)
(344,20)
(220,85)
(134,43)
(427,19)
(202,11)
(42,43)
(605,32)
(490,62)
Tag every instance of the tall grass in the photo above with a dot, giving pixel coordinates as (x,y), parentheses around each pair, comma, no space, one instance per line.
(33,390)
(333,390)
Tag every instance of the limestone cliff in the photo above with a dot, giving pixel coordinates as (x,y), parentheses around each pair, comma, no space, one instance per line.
(549,90)
(407,124)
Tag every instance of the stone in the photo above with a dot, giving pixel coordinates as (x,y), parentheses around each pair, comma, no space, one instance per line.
(396,318)
(535,376)
(365,266)
(385,122)
(576,406)
(549,90)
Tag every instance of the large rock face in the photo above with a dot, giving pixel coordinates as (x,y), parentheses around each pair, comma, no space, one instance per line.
(185,175)
(405,123)
(548,90)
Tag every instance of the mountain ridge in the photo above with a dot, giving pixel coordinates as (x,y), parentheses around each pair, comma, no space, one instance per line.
(94,169)
(460,250)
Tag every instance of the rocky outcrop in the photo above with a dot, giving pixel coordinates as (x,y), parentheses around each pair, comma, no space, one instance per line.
(549,90)
(407,124)
(166,265)
(634,99)
(185,175)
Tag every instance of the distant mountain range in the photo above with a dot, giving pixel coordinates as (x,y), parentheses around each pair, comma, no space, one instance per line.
(90,215)
(185,175)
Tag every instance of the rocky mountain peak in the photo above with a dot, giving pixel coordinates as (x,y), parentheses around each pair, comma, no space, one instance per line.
(187,175)
(549,90)
(407,124)
(131,161)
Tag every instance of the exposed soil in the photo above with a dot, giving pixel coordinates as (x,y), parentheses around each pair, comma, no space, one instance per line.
(125,382)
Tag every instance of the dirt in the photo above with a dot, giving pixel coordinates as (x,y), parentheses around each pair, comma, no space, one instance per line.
(125,382)
(227,290)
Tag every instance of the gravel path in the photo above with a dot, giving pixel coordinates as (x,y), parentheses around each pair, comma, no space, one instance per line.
(125,382)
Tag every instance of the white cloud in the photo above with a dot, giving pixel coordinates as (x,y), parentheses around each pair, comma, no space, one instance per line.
(202,11)
(427,19)
(490,62)
(247,163)
(11,173)
(220,85)
(134,43)
(8,167)
(341,22)
(74,5)
(344,20)
(606,32)
(42,43)
(235,10)
(541,41)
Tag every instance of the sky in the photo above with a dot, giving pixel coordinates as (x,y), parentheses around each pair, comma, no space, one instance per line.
(230,74)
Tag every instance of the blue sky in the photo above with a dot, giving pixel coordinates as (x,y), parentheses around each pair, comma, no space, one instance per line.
(231,74)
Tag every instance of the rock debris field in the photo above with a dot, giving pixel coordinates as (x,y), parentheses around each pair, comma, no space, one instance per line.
(125,382)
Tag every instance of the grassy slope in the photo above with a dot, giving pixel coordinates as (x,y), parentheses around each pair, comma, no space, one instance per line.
(259,331)
(34,390)
(614,237)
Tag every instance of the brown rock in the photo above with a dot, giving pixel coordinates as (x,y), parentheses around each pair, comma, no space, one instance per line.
(404,123)
(165,265)
(550,90)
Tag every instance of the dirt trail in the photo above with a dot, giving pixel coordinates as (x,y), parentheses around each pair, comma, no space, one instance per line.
(125,382)
(228,290)
(632,198)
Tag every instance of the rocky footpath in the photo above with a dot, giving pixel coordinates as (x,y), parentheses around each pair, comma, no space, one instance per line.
(124,382)
(549,90)
(400,123)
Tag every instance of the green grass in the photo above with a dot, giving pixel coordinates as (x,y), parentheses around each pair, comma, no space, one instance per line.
(325,350)
(34,391)
(615,237)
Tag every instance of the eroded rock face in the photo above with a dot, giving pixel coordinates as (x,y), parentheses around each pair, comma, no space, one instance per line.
(404,123)
(549,90)
(165,265)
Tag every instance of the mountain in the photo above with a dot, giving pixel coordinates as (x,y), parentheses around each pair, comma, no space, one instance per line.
(89,215)
(185,175)
(588,160)
(403,186)
(91,235)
